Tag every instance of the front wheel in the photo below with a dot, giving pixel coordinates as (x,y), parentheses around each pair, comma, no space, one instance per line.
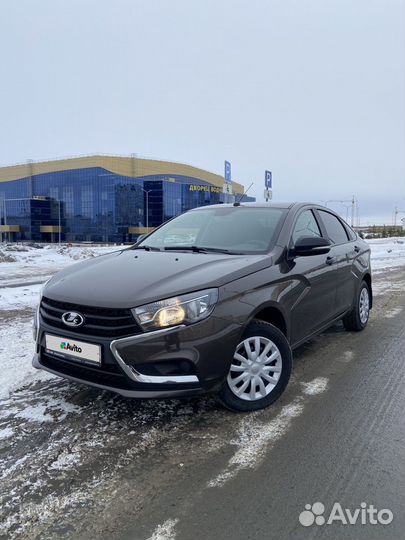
(260,369)
(357,319)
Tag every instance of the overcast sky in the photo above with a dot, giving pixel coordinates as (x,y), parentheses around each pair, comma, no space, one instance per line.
(311,89)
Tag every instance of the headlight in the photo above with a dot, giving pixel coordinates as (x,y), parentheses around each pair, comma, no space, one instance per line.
(186,309)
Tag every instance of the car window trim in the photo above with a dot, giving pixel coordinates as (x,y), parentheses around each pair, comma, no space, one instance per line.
(302,210)
(348,240)
(349,231)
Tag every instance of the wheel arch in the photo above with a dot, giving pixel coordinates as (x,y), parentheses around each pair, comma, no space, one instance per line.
(367,279)
(273,314)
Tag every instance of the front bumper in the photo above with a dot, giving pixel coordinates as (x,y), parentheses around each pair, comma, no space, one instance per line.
(130,365)
(131,393)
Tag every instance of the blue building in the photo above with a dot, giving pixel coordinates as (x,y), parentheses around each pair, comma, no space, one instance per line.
(101,198)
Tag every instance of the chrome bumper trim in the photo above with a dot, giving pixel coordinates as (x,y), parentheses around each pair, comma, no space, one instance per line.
(35,325)
(133,374)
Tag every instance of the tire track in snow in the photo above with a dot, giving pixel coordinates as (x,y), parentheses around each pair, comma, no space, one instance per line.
(256,437)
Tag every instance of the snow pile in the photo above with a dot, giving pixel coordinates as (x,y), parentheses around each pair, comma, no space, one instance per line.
(6,257)
(22,263)
(79,253)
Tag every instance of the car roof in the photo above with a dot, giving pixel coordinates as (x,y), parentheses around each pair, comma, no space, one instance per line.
(282,205)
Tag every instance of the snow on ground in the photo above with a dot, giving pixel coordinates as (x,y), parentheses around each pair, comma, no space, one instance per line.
(165,531)
(21,263)
(19,297)
(16,350)
(387,253)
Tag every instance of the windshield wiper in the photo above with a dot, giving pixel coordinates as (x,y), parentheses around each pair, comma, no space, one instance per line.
(147,248)
(201,249)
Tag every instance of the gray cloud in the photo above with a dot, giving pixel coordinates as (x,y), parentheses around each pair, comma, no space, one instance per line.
(311,89)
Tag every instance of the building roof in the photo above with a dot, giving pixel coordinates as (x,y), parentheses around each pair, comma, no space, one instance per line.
(129,166)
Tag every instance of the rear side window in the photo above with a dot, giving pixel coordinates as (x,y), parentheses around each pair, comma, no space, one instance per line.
(306,225)
(334,228)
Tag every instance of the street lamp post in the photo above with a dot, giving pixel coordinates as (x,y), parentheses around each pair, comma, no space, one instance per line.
(1,219)
(147,191)
(5,209)
(59,225)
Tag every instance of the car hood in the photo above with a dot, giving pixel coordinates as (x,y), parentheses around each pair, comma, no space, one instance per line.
(130,278)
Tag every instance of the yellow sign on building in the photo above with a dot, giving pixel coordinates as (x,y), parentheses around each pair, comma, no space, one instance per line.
(208,189)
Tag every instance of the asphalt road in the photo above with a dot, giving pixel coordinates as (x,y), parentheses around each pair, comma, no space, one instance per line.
(108,468)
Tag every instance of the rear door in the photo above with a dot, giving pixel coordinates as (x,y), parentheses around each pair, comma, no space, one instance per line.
(316,282)
(343,253)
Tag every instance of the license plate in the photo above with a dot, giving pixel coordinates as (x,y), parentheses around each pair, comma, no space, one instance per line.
(80,350)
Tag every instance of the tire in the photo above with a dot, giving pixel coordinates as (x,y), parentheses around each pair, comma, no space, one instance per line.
(357,319)
(273,351)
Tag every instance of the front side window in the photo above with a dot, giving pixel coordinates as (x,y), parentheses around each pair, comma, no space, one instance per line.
(237,229)
(306,225)
(336,232)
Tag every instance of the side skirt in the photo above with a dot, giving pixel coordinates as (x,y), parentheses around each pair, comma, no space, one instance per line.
(319,330)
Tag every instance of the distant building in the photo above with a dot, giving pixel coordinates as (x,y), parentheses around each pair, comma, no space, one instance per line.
(101,198)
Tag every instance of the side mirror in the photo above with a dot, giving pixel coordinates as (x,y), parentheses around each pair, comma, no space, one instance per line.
(311,245)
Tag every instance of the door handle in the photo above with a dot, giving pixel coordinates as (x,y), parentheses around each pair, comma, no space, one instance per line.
(330,260)
(356,249)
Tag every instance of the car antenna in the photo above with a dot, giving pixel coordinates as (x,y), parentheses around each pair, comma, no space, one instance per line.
(237,203)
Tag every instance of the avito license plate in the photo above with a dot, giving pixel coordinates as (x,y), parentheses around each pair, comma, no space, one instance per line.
(88,352)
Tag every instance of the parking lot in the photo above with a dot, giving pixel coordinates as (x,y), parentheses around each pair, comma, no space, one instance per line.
(80,463)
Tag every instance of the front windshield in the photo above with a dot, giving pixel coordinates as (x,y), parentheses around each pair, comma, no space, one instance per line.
(230,229)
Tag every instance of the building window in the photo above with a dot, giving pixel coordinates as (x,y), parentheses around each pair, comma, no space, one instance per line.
(87,201)
(68,201)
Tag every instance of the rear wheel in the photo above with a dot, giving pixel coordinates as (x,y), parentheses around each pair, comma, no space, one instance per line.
(358,317)
(260,369)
